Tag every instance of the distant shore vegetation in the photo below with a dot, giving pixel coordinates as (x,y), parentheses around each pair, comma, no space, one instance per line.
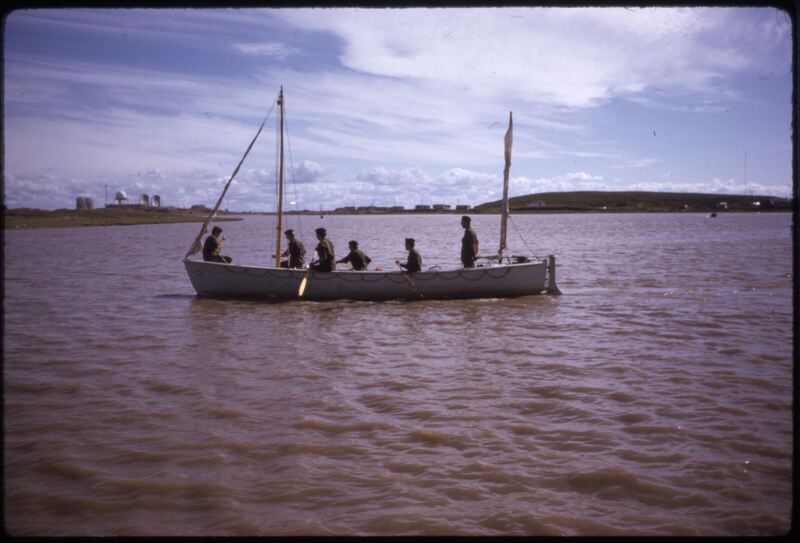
(636,201)
(546,202)
(64,218)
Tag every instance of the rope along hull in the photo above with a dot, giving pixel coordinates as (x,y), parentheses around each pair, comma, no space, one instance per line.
(217,280)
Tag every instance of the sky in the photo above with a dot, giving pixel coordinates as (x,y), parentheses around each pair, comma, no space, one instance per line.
(393,106)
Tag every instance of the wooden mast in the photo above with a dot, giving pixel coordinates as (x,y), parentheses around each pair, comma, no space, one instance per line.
(279,230)
(504,211)
(213,213)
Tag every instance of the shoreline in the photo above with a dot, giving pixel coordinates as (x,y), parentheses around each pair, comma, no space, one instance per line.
(25,219)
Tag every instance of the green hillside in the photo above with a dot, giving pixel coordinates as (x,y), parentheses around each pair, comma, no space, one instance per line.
(636,201)
(60,218)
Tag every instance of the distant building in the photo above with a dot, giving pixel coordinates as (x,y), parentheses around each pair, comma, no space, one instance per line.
(535,203)
(441,207)
(422,207)
(122,201)
(463,207)
(722,205)
(145,201)
(397,208)
(84,203)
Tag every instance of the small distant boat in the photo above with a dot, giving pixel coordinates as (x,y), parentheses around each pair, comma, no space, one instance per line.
(518,276)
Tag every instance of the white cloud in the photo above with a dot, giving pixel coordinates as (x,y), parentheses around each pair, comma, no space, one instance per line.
(569,181)
(714,186)
(267,49)
(561,56)
(421,91)
(307,172)
(638,163)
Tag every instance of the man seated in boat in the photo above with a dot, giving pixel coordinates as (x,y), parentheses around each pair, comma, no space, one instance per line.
(356,257)
(326,261)
(414,262)
(295,252)
(211,247)
(469,244)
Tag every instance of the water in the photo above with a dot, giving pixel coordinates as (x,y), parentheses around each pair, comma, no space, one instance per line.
(653,398)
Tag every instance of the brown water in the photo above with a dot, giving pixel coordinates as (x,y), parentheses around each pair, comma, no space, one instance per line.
(654,397)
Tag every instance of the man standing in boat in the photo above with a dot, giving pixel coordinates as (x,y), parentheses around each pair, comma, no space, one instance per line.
(295,251)
(414,262)
(469,244)
(211,247)
(326,261)
(356,257)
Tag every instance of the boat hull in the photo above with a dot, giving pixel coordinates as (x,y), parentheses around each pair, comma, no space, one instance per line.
(218,280)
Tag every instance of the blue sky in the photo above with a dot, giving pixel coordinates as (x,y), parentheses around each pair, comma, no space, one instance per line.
(394,106)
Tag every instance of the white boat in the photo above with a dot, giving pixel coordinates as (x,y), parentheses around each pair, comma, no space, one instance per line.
(518,276)
(213,279)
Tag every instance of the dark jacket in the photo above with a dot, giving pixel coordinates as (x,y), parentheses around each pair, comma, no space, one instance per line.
(357,259)
(210,248)
(297,254)
(327,261)
(414,262)
(467,250)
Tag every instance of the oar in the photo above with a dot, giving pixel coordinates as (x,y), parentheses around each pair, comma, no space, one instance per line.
(409,281)
(304,282)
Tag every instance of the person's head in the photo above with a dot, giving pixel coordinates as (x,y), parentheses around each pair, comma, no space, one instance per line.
(465,221)
(353,244)
(289,234)
(321,233)
(409,243)
(216,231)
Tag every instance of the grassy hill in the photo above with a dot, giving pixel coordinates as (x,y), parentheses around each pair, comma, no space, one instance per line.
(636,201)
(60,218)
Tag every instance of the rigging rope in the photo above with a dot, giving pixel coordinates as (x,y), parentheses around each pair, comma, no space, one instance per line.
(213,214)
(291,170)
(522,238)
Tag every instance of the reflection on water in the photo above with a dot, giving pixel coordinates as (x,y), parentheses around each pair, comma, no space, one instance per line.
(653,397)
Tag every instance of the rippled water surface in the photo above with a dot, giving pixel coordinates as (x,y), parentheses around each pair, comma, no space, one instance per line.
(653,397)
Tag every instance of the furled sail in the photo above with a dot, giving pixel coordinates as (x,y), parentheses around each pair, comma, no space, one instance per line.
(196,245)
(508,140)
